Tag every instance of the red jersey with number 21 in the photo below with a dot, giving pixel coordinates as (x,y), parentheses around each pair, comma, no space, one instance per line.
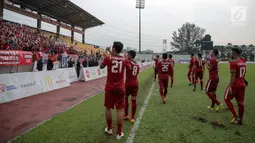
(239,67)
(164,69)
(132,73)
(115,71)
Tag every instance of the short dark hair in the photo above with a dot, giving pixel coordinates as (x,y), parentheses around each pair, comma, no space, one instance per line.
(237,50)
(199,55)
(164,56)
(132,53)
(192,54)
(157,56)
(216,52)
(170,55)
(118,46)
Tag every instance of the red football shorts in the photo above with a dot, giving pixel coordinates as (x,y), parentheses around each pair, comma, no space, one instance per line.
(163,83)
(131,90)
(212,85)
(238,93)
(199,75)
(114,98)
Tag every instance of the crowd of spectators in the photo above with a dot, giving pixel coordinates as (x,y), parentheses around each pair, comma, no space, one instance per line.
(45,48)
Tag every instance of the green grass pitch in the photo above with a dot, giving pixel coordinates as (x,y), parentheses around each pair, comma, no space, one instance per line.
(185,118)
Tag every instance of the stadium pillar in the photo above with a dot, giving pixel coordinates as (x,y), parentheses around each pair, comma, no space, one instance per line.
(72,34)
(39,23)
(58,29)
(1,9)
(83,36)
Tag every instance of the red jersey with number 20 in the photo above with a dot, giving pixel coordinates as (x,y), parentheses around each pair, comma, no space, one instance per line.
(164,69)
(239,67)
(132,73)
(115,71)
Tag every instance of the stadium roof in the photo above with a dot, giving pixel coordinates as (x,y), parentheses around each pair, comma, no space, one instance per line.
(63,10)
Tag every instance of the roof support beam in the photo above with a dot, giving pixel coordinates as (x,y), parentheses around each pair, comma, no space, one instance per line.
(2,9)
(72,35)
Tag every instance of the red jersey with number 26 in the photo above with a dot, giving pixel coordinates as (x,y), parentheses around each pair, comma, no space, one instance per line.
(115,71)
(164,69)
(132,73)
(239,67)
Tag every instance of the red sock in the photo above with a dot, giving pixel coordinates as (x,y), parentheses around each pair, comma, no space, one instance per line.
(162,93)
(195,83)
(172,81)
(189,78)
(240,110)
(213,98)
(230,107)
(165,92)
(109,124)
(133,108)
(126,107)
(119,129)
(201,83)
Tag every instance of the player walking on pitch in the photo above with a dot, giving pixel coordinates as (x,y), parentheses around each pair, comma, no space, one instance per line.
(131,85)
(156,63)
(212,83)
(115,88)
(164,70)
(172,73)
(191,69)
(236,87)
(199,71)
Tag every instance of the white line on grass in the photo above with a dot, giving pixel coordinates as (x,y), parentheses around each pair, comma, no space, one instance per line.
(137,122)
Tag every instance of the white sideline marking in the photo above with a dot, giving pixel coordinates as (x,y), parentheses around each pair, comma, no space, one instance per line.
(138,119)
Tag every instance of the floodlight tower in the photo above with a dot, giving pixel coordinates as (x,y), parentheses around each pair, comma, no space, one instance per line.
(140,5)
(164,45)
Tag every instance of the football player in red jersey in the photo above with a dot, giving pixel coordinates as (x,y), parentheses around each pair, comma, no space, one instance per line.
(236,87)
(115,87)
(212,83)
(131,85)
(191,69)
(156,63)
(164,70)
(172,73)
(199,71)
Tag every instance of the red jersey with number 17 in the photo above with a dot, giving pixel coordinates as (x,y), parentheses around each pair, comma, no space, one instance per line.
(115,71)
(164,69)
(132,73)
(239,67)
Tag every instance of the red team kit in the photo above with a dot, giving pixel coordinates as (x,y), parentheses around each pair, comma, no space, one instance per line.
(118,91)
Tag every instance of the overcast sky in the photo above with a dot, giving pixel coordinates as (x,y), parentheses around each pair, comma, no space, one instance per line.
(161,17)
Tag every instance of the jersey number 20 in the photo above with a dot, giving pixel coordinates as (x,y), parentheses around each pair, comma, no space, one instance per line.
(117,66)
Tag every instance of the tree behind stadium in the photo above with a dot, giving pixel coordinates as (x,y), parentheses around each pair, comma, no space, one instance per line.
(187,35)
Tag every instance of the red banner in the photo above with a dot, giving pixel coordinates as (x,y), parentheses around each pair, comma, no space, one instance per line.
(10,58)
